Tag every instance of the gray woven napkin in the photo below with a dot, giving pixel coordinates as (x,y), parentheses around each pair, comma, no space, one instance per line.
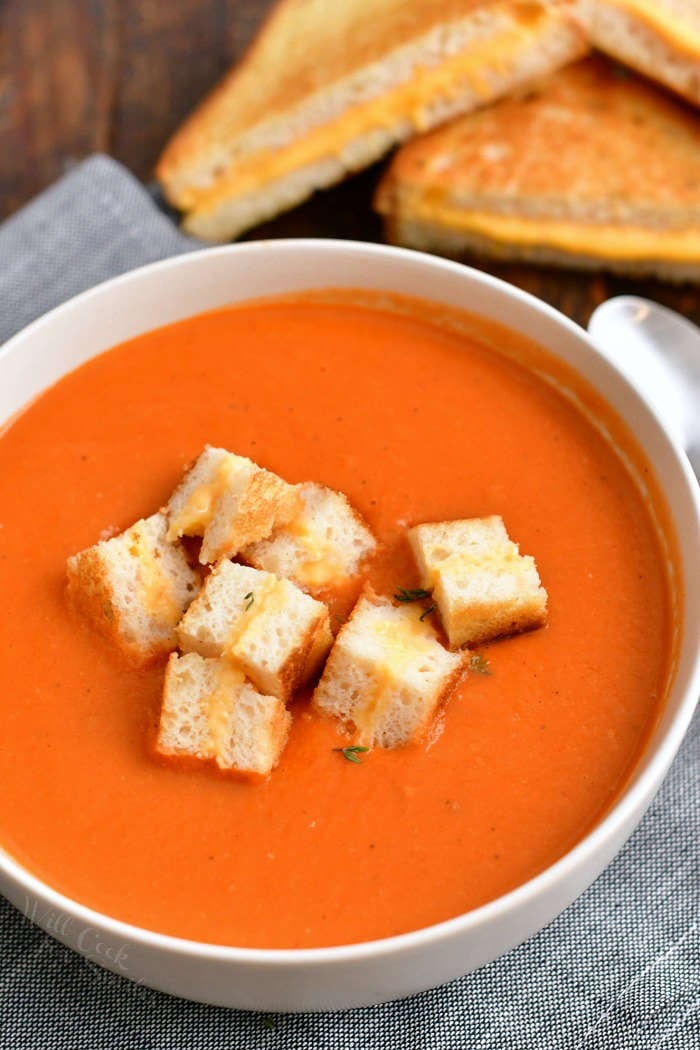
(619,969)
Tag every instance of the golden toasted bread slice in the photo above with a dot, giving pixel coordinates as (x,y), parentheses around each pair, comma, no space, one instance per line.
(660,38)
(326,89)
(596,169)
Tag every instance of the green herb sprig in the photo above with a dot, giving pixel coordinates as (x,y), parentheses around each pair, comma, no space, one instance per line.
(352,753)
(406,594)
(248,598)
(479,664)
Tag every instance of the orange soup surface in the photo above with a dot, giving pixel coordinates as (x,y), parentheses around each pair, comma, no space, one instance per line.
(414,421)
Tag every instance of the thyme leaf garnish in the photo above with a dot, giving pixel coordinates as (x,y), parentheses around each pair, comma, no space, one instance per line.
(406,594)
(352,753)
(479,664)
(427,612)
(248,598)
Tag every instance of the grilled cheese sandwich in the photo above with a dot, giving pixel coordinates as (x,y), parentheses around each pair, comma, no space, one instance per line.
(591,170)
(281,125)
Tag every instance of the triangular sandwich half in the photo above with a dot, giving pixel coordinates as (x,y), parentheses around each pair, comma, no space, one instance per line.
(597,170)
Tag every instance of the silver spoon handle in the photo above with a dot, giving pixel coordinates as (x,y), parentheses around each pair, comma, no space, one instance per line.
(658,351)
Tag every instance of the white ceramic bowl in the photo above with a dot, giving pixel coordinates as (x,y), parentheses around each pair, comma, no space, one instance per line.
(358,974)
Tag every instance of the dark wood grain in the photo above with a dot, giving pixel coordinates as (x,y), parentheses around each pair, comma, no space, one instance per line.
(78,76)
(114,75)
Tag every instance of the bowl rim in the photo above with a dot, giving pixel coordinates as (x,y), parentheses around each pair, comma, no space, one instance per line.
(630,804)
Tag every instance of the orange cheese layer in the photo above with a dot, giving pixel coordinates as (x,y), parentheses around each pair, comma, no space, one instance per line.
(408,102)
(156,587)
(598,240)
(219,705)
(402,643)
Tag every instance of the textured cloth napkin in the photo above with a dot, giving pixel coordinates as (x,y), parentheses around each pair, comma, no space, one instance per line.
(619,969)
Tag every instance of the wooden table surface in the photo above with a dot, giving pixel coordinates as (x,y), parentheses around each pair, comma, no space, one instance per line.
(78,76)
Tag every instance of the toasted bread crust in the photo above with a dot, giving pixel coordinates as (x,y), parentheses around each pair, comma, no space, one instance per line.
(528,616)
(304,662)
(267,502)
(462,246)
(664,44)
(90,593)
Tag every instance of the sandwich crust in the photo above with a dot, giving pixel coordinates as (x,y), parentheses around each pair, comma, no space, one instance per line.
(660,38)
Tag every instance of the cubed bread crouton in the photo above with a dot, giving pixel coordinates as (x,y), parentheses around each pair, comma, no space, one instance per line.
(387,673)
(134,588)
(264,625)
(322,545)
(210,710)
(482,585)
(230,502)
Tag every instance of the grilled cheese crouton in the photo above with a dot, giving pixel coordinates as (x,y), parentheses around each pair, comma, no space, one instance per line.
(264,625)
(322,545)
(134,588)
(230,502)
(211,711)
(387,673)
(483,586)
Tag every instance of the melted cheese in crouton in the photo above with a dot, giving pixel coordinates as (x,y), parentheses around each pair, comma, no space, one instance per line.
(157,589)
(322,545)
(210,711)
(196,510)
(134,588)
(230,502)
(386,674)
(264,624)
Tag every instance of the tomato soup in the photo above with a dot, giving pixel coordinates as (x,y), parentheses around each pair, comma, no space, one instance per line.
(415,421)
